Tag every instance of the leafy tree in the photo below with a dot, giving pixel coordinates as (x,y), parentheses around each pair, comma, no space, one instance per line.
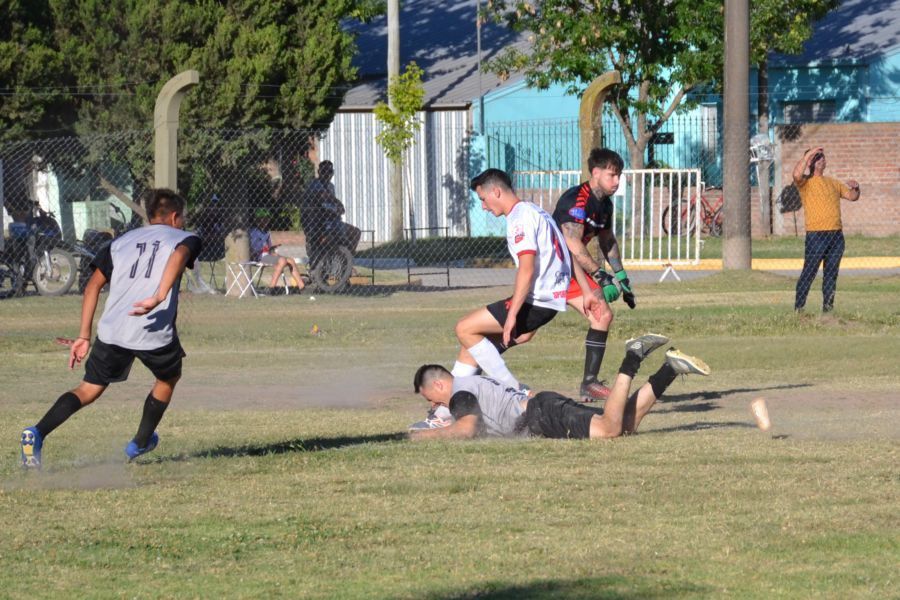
(662,50)
(267,69)
(780,26)
(399,126)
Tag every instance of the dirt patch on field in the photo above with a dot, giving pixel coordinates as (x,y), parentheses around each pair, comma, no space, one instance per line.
(283,390)
(796,411)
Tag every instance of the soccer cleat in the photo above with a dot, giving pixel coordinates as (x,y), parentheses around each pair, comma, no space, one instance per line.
(132,451)
(645,344)
(592,391)
(32,442)
(683,364)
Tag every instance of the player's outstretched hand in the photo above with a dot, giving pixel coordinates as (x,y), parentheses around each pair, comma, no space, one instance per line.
(627,292)
(144,306)
(78,349)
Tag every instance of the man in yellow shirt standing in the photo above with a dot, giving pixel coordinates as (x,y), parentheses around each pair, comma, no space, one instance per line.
(821,198)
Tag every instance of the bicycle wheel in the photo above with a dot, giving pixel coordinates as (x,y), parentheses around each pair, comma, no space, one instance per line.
(55,272)
(716,223)
(10,279)
(681,221)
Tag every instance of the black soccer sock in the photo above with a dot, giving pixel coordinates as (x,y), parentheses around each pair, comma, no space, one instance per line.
(153,414)
(662,379)
(630,364)
(594,349)
(65,406)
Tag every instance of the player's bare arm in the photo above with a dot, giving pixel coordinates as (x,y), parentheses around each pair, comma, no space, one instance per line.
(590,302)
(82,344)
(609,246)
(464,428)
(574,232)
(174,269)
(524,277)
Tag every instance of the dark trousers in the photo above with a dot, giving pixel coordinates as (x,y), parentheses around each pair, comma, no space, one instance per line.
(821,246)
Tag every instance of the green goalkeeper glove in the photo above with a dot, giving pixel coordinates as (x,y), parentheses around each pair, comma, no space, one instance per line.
(610,291)
(627,292)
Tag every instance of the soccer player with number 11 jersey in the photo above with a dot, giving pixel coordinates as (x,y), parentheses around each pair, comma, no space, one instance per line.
(143,268)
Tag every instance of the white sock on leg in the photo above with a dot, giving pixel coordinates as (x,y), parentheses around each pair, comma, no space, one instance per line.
(461,369)
(487,357)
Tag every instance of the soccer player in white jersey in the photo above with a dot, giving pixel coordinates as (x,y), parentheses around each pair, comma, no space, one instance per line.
(143,268)
(482,406)
(543,271)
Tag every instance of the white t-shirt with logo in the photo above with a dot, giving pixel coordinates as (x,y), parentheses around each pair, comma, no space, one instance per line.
(530,230)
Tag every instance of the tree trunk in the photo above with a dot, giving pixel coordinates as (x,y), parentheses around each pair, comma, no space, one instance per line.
(765,192)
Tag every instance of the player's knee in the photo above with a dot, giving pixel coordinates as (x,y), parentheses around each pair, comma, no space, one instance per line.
(88,392)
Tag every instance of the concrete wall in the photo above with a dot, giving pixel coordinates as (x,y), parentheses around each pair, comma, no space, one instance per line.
(866,152)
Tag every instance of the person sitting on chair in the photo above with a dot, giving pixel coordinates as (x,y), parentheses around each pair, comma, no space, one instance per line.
(263,251)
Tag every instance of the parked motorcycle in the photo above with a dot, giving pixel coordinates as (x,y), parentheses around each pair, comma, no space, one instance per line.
(36,252)
(330,258)
(94,240)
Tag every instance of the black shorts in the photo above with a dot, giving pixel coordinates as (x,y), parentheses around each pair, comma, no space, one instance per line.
(529,318)
(108,363)
(551,415)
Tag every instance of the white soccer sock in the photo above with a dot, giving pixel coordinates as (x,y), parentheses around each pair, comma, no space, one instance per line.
(487,357)
(461,369)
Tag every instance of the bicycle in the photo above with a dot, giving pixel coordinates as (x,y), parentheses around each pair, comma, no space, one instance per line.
(684,218)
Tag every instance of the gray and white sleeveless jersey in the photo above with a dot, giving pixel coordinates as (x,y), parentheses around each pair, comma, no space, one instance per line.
(135,267)
(500,405)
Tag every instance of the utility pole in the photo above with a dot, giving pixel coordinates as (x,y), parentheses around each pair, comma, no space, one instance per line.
(736,185)
(393,69)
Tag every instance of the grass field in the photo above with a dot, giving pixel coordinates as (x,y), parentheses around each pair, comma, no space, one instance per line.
(283,470)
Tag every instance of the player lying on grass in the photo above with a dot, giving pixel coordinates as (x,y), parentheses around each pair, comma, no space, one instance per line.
(143,268)
(484,406)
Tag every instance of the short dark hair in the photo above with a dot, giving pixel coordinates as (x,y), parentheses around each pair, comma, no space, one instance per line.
(427,374)
(604,158)
(492,178)
(326,166)
(159,202)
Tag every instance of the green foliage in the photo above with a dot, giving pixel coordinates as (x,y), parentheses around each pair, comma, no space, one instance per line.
(399,124)
(663,50)
(285,63)
(779,26)
(30,64)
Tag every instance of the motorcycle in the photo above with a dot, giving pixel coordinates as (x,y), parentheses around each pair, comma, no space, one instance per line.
(94,240)
(36,252)
(330,258)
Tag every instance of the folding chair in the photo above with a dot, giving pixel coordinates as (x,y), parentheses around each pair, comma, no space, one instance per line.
(246,276)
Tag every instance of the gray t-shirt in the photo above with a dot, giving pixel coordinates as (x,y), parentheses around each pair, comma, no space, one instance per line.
(498,406)
(134,264)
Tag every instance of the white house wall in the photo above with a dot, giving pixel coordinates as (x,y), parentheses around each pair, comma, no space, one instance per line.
(436,175)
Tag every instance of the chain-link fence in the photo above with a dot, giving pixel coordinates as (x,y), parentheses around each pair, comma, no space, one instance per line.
(321,200)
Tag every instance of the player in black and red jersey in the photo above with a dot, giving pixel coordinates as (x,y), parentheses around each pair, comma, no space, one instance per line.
(582,213)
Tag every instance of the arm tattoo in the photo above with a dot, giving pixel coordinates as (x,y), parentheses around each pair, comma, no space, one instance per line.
(574,233)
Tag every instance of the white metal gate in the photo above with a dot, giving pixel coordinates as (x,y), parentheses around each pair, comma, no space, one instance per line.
(644,198)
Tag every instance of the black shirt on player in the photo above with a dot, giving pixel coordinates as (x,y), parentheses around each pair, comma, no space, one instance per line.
(580,205)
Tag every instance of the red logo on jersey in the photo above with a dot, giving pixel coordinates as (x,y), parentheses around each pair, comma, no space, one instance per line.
(518,235)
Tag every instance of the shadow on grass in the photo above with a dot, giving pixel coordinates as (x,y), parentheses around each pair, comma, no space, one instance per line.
(588,588)
(316,444)
(669,398)
(703,426)
(384,290)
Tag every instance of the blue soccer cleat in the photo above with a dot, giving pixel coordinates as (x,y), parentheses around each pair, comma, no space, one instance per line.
(32,442)
(132,451)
